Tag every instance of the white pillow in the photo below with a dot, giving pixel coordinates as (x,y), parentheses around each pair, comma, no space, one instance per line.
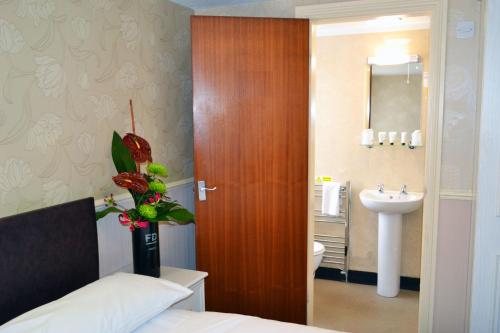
(115,304)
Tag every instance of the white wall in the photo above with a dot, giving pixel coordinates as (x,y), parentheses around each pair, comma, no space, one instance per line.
(485,309)
(177,243)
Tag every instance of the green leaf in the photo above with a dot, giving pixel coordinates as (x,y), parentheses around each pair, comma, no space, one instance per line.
(133,213)
(181,215)
(102,213)
(121,155)
(180,222)
(164,207)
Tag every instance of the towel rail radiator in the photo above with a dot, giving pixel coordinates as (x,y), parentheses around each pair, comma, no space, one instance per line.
(336,245)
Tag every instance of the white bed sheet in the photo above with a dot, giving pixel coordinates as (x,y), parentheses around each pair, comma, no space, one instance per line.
(183,321)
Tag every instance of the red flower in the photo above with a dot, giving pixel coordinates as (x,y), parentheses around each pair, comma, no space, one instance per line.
(139,148)
(154,200)
(132,181)
(124,219)
(142,224)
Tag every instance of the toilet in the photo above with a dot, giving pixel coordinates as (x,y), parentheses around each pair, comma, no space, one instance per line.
(319,249)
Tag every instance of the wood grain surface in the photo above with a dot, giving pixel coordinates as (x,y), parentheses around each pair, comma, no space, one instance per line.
(251,100)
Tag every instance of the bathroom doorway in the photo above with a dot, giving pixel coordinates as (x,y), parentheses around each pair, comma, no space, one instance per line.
(374,126)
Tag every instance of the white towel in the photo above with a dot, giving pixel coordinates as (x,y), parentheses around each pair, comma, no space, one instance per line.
(331,201)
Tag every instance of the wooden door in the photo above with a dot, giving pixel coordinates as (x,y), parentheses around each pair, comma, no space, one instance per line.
(251,98)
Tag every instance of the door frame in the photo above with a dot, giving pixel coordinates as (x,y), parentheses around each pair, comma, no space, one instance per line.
(485,294)
(437,9)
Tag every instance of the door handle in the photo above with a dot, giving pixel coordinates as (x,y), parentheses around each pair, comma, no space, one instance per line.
(202,195)
(209,189)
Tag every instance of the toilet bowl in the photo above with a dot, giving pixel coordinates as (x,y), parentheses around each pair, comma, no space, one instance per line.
(319,249)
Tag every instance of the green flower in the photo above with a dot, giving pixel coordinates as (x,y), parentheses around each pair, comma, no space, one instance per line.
(147,211)
(157,169)
(158,186)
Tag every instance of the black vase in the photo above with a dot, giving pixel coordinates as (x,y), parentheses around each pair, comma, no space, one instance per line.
(146,250)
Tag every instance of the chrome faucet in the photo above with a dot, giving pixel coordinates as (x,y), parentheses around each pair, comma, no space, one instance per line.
(380,188)
(403,190)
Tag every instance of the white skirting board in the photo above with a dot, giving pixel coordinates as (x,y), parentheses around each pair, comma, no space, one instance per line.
(177,243)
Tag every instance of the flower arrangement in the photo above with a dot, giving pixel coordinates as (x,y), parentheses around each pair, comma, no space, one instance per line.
(148,189)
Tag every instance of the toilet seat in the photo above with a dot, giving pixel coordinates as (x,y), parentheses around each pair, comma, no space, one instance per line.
(318,248)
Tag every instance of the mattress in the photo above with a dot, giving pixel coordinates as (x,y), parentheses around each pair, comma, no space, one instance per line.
(183,321)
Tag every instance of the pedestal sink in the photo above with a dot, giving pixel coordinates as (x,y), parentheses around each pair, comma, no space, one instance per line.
(390,206)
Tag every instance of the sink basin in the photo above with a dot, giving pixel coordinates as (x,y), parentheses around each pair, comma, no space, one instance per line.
(390,206)
(391,202)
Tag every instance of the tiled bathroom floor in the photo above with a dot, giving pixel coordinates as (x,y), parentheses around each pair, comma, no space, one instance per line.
(357,308)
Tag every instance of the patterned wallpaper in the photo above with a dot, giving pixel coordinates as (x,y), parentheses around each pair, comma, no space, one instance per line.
(67,71)
(461,81)
(461,85)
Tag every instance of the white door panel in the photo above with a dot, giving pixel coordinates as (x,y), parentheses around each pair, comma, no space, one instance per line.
(485,305)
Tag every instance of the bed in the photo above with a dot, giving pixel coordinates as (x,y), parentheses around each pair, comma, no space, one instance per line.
(183,321)
(49,278)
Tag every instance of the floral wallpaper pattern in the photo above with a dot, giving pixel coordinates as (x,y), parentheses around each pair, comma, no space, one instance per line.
(461,85)
(67,71)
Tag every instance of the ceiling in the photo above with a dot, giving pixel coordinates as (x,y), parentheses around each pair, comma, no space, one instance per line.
(379,24)
(204,4)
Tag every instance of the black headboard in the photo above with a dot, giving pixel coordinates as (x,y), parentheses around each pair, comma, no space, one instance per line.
(45,254)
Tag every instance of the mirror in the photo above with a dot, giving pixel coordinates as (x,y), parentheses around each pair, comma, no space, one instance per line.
(395,97)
